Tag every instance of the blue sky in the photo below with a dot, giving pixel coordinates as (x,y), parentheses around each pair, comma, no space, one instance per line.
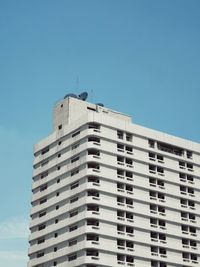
(140,57)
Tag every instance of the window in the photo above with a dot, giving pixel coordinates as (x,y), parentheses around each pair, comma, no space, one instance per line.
(170,149)
(120,135)
(94,139)
(155,223)
(43,200)
(45,150)
(74,199)
(73,228)
(94,152)
(154,169)
(185,203)
(72,242)
(60,127)
(41,227)
(90,108)
(41,240)
(76,145)
(56,235)
(129,137)
(92,207)
(94,126)
(59,155)
(121,258)
(92,237)
(189,256)
(43,213)
(121,244)
(157,196)
(74,159)
(58,181)
(157,209)
(158,264)
(75,134)
(186,216)
(56,221)
(189,154)
(92,252)
(43,187)
(55,263)
(40,254)
(158,237)
(184,190)
(75,171)
(73,213)
(74,185)
(94,166)
(151,143)
(93,179)
(155,251)
(189,243)
(129,188)
(184,165)
(55,249)
(43,163)
(93,222)
(120,147)
(57,194)
(57,207)
(59,143)
(154,182)
(186,178)
(188,230)
(72,257)
(154,157)
(44,174)
(93,193)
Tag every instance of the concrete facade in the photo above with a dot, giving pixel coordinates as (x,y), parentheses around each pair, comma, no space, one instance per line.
(108,192)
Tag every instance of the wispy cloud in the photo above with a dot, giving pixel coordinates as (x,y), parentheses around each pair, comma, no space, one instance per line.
(16,227)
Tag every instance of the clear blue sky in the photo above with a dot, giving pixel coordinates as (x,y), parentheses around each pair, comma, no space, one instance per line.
(140,57)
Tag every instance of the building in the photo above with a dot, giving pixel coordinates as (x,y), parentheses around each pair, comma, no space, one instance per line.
(108,192)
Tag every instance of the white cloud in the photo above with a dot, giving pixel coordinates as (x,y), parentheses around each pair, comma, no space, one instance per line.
(16,227)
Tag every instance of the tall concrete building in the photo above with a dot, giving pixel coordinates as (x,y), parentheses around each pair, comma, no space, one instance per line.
(108,192)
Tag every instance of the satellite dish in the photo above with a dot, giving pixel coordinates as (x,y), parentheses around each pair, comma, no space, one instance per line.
(70,95)
(100,104)
(83,96)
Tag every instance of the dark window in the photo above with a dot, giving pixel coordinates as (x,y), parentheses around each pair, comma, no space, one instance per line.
(40,254)
(72,257)
(74,185)
(43,213)
(43,187)
(41,227)
(44,174)
(73,228)
(72,242)
(41,240)
(45,150)
(75,133)
(43,200)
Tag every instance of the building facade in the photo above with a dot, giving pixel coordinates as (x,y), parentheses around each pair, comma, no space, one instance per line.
(108,192)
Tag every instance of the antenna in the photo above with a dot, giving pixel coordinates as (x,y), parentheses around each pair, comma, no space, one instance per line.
(77,83)
(92,95)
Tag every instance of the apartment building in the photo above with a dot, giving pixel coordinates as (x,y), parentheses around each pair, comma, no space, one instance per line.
(108,192)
